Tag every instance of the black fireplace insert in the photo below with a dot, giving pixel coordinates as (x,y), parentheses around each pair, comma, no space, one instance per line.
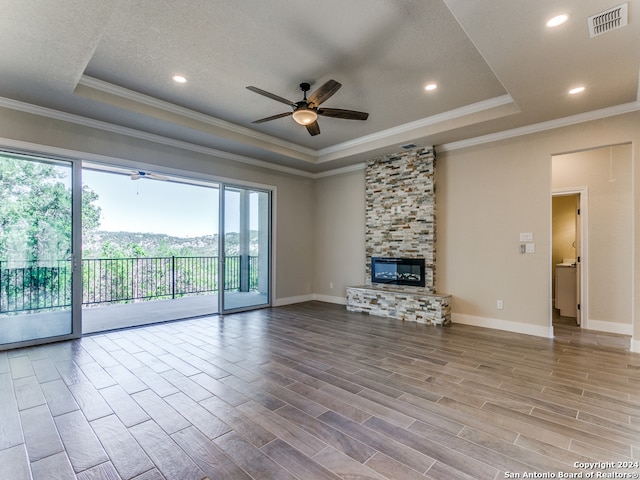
(398,271)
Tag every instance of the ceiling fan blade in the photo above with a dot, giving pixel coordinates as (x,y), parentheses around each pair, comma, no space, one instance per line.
(270,95)
(313,129)
(273,117)
(340,113)
(137,175)
(324,92)
(156,176)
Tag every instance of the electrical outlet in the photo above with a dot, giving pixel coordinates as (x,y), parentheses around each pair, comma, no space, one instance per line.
(499,305)
(330,284)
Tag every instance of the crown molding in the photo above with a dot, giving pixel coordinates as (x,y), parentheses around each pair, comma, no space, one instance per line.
(340,171)
(133,96)
(408,128)
(453,114)
(543,126)
(150,137)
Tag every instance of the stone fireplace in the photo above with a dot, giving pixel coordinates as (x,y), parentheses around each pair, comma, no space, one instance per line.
(400,224)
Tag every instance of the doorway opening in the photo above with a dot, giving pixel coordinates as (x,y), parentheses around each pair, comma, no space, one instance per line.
(150,251)
(566,257)
(598,182)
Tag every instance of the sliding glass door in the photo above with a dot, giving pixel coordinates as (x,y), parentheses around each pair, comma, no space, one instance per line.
(37,267)
(173,254)
(245,271)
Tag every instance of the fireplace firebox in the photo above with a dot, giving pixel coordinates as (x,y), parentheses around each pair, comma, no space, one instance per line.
(398,271)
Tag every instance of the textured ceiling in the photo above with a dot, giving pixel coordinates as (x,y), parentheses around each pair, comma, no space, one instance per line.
(496,64)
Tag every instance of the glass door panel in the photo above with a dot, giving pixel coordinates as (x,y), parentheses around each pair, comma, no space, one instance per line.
(35,249)
(246,246)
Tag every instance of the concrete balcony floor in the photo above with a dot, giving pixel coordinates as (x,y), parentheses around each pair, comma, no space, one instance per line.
(26,326)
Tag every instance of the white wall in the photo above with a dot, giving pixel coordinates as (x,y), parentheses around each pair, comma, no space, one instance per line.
(340,235)
(293,215)
(486,196)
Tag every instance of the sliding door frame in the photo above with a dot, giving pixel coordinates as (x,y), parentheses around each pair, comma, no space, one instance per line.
(76,247)
(76,159)
(76,251)
(221,247)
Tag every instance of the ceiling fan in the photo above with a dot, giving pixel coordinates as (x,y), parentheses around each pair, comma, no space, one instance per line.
(138,174)
(306,111)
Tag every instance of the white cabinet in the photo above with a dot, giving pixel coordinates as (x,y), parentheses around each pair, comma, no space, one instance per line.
(566,300)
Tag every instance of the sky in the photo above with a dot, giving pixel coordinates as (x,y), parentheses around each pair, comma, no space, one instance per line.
(153,206)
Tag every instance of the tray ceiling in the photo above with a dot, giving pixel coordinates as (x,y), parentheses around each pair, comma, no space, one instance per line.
(497,67)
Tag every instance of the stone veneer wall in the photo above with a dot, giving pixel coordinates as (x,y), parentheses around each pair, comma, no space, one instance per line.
(430,309)
(400,210)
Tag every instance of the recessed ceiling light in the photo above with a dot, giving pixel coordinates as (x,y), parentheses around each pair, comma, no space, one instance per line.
(430,86)
(557,20)
(179,79)
(575,90)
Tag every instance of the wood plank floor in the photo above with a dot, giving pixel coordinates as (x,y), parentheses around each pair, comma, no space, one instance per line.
(311,391)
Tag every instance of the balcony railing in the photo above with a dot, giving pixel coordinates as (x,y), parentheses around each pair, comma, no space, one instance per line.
(32,286)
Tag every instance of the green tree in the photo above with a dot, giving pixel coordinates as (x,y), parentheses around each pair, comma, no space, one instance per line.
(165,249)
(35,210)
(110,249)
(90,211)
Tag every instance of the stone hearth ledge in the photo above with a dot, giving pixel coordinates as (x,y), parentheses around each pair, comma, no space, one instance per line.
(403,303)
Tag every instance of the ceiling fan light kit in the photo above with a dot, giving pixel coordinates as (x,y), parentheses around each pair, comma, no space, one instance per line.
(304,116)
(306,111)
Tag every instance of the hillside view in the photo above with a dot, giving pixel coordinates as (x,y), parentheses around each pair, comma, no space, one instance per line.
(103,244)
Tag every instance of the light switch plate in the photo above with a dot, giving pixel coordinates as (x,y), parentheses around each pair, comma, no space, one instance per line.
(531,248)
(526,237)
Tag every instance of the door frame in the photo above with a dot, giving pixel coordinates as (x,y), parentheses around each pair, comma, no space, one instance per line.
(76,247)
(582,250)
(76,250)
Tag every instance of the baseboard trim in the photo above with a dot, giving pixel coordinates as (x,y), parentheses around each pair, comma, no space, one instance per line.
(330,299)
(497,324)
(609,327)
(280,302)
(506,325)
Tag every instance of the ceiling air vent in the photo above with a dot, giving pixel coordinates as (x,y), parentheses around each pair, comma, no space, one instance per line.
(608,20)
(408,146)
